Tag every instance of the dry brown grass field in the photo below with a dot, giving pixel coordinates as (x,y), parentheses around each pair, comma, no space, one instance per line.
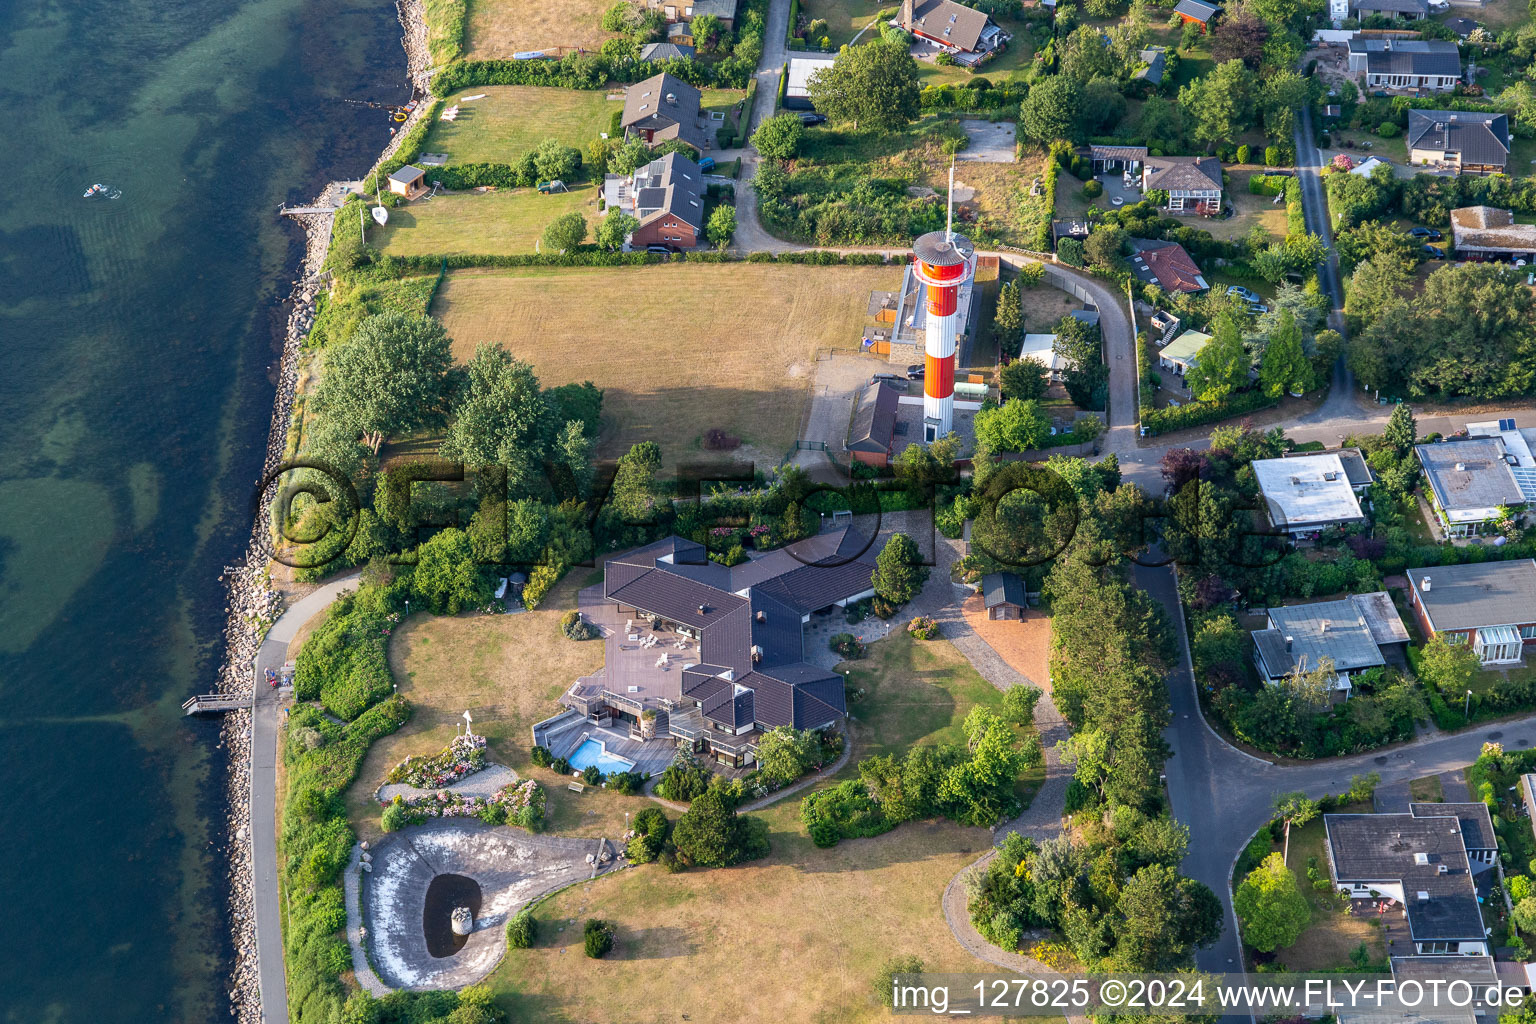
(678,349)
(500,28)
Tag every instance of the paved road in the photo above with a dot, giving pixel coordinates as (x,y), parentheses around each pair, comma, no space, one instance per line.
(1314,201)
(265,723)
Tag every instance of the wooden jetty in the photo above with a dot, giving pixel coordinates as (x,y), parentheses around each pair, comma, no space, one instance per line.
(209,703)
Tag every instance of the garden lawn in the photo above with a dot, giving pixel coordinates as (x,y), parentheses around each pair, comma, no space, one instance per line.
(500,28)
(483,224)
(844,18)
(1333,934)
(513,119)
(815,926)
(1044,306)
(687,346)
(1427,790)
(919,692)
(1249,210)
(506,670)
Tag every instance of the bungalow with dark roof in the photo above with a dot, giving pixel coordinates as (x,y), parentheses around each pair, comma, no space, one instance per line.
(1459,140)
(1197,11)
(966,34)
(1418,860)
(1490,605)
(1433,65)
(1470,482)
(1193,183)
(1167,265)
(717,656)
(872,430)
(667,198)
(665,51)
(663,108)
(1354,634)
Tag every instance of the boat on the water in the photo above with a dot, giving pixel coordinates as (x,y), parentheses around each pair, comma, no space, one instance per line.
(96,189)
(99,190)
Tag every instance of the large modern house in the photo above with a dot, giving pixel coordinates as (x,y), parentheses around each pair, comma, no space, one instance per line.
(1418,864)
(966,34)
(1193,183)
(662,108)
(1459,140)
(1432,65)
(1305,494)
(1490,605)
(710,657)
(1356,634)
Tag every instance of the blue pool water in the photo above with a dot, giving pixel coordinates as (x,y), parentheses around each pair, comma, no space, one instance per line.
(592,752)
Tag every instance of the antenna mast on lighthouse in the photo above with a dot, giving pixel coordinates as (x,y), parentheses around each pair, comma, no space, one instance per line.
(949,206)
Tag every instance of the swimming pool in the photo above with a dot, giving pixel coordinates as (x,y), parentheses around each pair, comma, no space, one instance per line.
(594,752)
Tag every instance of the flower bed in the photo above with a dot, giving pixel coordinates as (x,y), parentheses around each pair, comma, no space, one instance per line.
(517,803)
(464,756)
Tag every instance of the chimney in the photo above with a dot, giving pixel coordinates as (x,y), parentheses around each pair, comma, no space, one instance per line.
(757,654)
(702,609)
(1423,896)
(1445,869)
(1461,467)
(1327,626)
(762,616)
(1288,641)
(672,98)
(1424,584)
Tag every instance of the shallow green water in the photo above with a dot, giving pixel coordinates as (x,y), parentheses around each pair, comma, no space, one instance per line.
(139,338)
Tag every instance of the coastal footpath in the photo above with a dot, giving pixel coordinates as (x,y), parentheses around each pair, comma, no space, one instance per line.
(253,607)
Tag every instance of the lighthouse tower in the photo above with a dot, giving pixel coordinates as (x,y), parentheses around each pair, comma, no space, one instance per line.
(945,261)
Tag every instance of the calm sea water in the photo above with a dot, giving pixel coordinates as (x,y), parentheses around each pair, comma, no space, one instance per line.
(139,337)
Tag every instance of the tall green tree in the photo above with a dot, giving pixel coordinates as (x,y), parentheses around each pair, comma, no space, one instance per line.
(1448,667)
(635,493)
(1402,430)
(1222,366)
(721,226)
(874,86)
(1294,809)
(1023,379)
(899,573)
(565,232)
(447,576)
(1219,106)
(778,138)
(1284,366)
(614,228)
(1050,110)
(1270,905)
(1165,918)
(1009,318)
(499,417)
(393,376)
(1015,426)
(1280,96)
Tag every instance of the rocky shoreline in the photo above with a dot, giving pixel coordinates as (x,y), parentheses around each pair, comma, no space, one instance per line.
(253,605)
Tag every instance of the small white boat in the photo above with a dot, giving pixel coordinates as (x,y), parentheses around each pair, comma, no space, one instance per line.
(380,216)
(95,189)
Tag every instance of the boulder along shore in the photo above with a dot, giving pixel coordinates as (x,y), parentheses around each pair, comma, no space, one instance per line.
(253,605)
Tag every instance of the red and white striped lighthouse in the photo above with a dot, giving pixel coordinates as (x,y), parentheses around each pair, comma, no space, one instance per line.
(945,261)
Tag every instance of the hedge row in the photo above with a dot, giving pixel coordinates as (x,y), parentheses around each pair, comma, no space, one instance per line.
(591,257)
(1194,414)
(573,71)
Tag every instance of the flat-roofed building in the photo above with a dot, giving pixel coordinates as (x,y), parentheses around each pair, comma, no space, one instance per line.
(1307,493)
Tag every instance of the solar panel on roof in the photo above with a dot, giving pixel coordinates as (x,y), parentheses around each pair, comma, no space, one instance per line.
(1508,424)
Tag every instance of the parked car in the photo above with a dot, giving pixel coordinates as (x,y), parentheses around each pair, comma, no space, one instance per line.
(660,250)
(1431,252)
(1240,292)
(1255,308)
(811,117)
(885,376)
(1428,234)
(916,371)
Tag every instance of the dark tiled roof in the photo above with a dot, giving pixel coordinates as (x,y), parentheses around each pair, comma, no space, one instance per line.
(873,427)
(1186,173)
(1479,138)
(1461,26)
(670,184)
(678,598)
(1002,588)
(958,25)
(1476,823)
(1486,594)
(647,107)
(773,700)
(1155,58)
(1119,152)
(725,10)
(811,711)
(407,174)
(663,51)
(1386,848)
(1475,970)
